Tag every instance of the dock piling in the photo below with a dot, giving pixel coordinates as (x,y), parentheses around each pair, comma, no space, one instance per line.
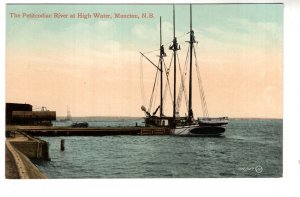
(62,144)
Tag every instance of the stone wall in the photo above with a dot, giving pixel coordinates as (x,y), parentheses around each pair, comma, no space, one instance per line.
(25,168)
(33,149)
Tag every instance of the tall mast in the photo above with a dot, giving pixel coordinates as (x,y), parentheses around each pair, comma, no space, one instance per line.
(192,41)
(174,48)
(161,71)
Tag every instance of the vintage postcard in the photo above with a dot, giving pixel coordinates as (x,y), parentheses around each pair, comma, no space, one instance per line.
(144,91)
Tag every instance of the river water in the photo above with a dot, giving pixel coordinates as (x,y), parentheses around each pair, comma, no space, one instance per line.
(250,148)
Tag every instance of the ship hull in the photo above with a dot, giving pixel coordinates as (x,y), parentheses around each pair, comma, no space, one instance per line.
(213,127)
(196,130)
(220,121)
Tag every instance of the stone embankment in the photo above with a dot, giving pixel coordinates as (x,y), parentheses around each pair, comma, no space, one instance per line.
(19,149)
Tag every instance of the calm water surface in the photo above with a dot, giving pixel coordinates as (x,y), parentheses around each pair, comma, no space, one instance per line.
(250,148)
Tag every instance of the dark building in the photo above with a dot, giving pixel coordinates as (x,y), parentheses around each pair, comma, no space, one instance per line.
(22,114)
(10,107)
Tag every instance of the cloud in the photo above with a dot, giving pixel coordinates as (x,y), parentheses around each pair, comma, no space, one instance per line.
(242,32)
(151,33)
(105,24)
(143,31)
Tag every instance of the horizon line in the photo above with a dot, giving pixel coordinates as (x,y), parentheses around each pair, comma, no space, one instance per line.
(110,116)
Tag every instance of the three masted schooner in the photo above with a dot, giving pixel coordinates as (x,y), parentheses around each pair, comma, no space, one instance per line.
(187,125)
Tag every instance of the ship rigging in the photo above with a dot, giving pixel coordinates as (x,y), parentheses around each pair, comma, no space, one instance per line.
(186,125)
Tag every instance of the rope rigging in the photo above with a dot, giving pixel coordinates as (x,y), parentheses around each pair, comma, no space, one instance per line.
(167,86)
(165,44)
(167,71)
(154,96)
(151,51)
(153,89)
(182,85)
(142,80)
(201,90)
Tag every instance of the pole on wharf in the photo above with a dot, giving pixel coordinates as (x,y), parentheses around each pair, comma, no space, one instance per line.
(62,144)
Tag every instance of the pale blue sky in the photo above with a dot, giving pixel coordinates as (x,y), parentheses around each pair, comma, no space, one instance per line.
(240,47)
(210,20)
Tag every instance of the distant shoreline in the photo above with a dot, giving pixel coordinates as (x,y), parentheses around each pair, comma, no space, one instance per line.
(140,117)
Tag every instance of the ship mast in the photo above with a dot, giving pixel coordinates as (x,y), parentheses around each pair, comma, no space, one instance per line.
(174,48)
(160,68)
(162,53)
(192,41)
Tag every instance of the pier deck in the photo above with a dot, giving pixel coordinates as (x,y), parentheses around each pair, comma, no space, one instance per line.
(97,131)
